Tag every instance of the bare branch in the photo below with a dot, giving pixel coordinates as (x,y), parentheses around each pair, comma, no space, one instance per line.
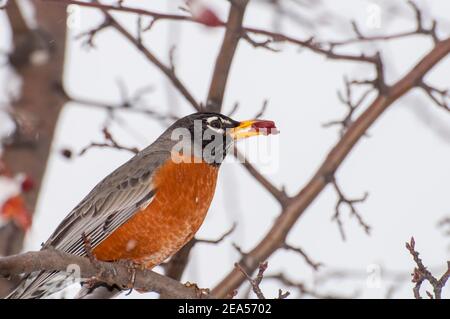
(154,60)
(283,295)
(128,104)
(110,143)
(262,111)
(226,54)
(276,37)
(300,251)
(280,195)
(443,96)
(259,44)
(257,281)
(342,199)
(421,273)
(17,22)
(352,106)
(121,8)
(89,35)
(300,202)
(110,273)
(218,240)
(420,29)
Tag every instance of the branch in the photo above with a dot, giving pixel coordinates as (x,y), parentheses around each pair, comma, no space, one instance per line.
(352,106)
(226,54)
(298,205)
(108,273)
(310,44)
(218,240)
(342,199)
(235,21)
(443,95)
(420,29)
(127,105)
(17,22)
(254,283)
(421,273)
(280,195)
(110,143)
(300,251)
(105,7)
(153,59)
(90,34)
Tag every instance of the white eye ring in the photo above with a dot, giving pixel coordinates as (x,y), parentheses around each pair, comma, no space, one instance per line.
(210,119)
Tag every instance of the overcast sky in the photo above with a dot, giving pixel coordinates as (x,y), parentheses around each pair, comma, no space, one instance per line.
(402,164)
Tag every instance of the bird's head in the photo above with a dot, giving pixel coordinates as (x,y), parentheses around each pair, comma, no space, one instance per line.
(208,136)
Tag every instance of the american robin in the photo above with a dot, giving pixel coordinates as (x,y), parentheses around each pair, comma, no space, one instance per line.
(151,206)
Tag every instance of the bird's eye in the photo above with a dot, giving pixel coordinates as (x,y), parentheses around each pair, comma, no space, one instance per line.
(216,124)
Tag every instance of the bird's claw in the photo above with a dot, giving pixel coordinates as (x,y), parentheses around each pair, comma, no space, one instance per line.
(131,267)
(201,292)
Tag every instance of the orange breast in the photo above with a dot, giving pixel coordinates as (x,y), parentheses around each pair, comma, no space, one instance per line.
(184,194)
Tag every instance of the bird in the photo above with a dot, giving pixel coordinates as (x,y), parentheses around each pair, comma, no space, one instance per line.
(151,206)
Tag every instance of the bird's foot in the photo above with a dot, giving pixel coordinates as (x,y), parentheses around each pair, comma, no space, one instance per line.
(131,267)
(201,292)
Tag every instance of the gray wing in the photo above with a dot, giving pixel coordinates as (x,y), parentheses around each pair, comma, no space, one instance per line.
(111,203)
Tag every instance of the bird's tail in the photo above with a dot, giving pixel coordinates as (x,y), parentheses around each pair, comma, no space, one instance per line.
(98,292)
(42,284)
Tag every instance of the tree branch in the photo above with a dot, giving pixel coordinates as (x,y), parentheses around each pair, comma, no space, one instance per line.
(168,71)
(254,283)
(444,95)
(342,199)
(279,195)
(226,54)
(143,12)
(298,205)
(314,265)
(17,22)
(109,273)
(421,273)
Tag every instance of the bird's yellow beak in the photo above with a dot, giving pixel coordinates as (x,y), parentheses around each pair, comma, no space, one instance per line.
(253,128)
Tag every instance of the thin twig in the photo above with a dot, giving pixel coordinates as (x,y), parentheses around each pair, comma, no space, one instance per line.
(342,199)
(352,106)
(443,99)
(421,273)
(154,60)
(257,281)
(218,240)
(110,143)
(300,251)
